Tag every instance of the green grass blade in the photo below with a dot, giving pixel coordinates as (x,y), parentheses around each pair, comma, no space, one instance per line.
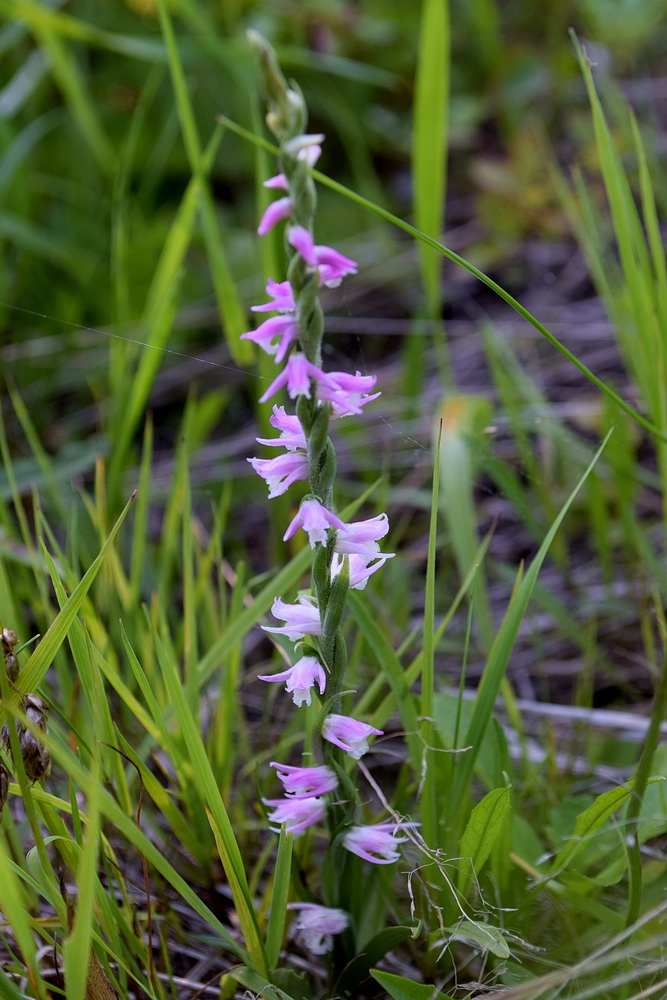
(249,617)
(463,419)
(430,799)
(128,828)
(16,913)
(77,948)
(275,930)
(393,671)
(429,144)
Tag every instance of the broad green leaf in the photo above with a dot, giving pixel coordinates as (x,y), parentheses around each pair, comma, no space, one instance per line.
(591,820)
(482,936)
(401,988)
(375,949)
(485,826)
(258,984)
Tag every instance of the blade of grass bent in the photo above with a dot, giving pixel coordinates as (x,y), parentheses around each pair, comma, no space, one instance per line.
(456,258)
(499,656)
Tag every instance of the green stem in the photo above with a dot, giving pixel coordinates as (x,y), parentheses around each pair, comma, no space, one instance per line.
(635,804)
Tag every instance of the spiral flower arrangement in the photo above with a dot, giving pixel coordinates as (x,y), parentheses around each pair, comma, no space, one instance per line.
(345,555)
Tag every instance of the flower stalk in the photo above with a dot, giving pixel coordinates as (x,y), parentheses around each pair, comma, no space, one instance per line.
(345,555)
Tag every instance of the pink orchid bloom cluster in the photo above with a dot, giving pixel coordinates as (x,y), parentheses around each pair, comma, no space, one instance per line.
(352,548)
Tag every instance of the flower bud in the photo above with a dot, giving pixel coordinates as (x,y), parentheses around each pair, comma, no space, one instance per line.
(9,639)
(36,758)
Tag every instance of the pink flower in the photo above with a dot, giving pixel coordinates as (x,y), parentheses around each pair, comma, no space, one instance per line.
(347,393)
(305,147)
(280,472)
(275,212)
(332,266)
(291,431)
(360,537)
(315,519)
(296,814)
(281,293)
(374,843)
(304,782)
(360,569)
(284,326)
(317,924)
(300,678)
(301,619)
(277,182)
(308,152)
(348,734)
(296,375)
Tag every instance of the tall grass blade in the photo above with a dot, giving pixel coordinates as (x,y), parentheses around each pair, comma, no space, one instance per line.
(77,955)
(429,143)
(275,930)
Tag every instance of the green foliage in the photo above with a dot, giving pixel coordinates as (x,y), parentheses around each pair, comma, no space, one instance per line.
(126,240)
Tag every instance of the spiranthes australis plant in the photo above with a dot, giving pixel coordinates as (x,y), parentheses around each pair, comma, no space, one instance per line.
(324,793)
